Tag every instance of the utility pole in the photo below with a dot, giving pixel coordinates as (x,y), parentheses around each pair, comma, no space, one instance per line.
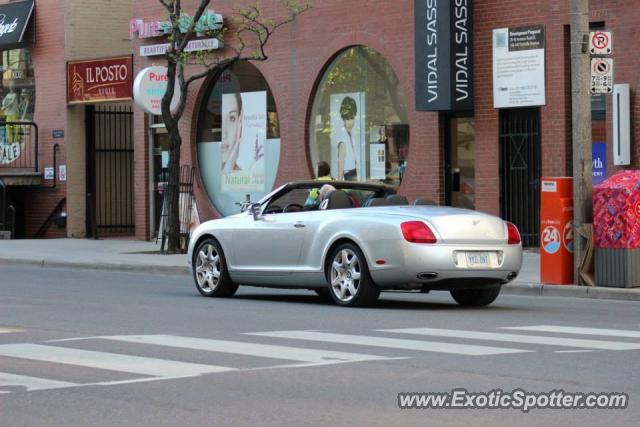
(580,126)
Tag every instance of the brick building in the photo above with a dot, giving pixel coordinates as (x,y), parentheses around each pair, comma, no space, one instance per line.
(56,31)
(486,158)
(340,62)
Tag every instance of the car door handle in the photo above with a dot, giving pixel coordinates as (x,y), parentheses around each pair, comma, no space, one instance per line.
(299,225)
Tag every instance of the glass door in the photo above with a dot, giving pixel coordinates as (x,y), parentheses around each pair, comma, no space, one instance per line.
(460,148)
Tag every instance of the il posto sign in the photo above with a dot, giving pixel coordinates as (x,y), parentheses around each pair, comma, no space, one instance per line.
(444,55)
(100,80)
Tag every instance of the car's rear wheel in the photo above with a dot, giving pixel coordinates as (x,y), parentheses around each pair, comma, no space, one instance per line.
(350,283)
(210,271)
(476,297)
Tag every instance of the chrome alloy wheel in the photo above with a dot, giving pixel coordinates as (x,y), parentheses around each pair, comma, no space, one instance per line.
(208,268)
(345,275)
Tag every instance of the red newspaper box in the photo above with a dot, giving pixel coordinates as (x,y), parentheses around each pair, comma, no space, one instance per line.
(556,231)
(616,211)
(616,230)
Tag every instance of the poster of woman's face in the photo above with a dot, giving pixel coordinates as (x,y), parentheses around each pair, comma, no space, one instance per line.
(231,130)
(242,146)
(348,146)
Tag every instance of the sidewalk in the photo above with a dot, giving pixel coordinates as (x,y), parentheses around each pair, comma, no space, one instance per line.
(139,256)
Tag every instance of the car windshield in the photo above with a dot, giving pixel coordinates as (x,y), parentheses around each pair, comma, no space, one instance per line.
(310,197)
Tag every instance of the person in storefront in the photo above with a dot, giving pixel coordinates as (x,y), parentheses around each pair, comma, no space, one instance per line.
(231,132)
(316,194)
(347,162)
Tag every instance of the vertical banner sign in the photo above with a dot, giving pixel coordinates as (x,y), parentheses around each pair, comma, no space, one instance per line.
(599,153)
(444,55)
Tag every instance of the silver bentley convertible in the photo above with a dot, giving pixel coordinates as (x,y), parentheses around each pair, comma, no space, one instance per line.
(351,241)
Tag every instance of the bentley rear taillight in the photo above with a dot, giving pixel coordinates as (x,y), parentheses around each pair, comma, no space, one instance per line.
(513,234)
(417,232)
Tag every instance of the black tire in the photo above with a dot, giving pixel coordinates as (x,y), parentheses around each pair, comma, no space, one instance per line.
(475,297)
(205,265)
(347,290)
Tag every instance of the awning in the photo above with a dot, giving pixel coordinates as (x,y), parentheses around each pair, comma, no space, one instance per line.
(14,18)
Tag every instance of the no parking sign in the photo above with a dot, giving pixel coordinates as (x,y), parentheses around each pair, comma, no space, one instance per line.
(601,75)
(601,43)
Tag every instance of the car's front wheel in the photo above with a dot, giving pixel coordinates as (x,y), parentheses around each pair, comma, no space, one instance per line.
(210,271)
(476,297)
(350,283)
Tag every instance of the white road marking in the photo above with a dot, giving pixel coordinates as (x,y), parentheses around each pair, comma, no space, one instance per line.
(573,351)
(514,338)
(32,383)
(404,344)
(108,361)
(10,330)
(248,349)
(576,330)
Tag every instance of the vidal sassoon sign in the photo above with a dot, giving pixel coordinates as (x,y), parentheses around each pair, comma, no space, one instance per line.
(444,56)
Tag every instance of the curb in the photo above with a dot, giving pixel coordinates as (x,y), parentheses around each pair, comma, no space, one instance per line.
(513,288)
(124,268)
(573,291)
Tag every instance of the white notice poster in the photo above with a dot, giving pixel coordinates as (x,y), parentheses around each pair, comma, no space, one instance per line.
(377,160)
(518,67)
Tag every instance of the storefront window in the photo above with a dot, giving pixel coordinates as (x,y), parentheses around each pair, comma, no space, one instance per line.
(18,97)
(238,138)
(359,121)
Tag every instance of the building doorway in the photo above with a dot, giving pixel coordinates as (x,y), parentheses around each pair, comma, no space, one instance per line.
(110,177)
(460,148)
(520,171)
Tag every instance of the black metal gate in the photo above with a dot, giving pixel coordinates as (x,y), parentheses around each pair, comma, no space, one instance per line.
(110,174)
(520,171)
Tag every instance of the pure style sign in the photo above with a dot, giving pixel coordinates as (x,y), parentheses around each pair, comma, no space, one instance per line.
(444,55)
(150,86)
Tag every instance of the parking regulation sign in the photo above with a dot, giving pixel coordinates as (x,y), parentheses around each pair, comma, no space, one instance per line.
(600,43)
(601,75)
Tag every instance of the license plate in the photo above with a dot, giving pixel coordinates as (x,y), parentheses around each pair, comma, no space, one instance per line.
(478,259)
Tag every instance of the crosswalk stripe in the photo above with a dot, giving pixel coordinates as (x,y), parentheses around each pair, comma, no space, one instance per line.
(108,361)
(576,330)
(10,330)
(31,383)
(248,349)
(404,344)
(514,338)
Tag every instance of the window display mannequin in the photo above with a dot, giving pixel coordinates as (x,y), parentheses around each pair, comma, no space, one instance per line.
(10,110)
(23,106)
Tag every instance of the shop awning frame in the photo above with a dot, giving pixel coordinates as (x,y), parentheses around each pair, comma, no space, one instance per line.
(14,19)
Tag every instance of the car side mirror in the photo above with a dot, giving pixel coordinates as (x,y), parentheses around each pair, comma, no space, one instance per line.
(255,211)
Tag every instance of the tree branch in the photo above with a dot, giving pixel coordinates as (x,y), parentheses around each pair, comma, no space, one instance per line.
(189,33)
